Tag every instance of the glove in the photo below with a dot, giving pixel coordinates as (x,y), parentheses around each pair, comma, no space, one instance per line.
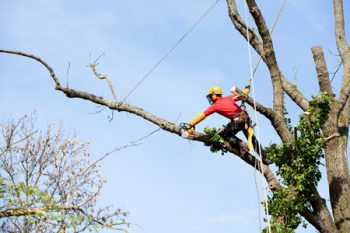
(233,89)
(190,129)
(187,131)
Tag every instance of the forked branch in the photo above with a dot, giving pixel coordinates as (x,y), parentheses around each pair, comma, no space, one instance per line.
(93,66)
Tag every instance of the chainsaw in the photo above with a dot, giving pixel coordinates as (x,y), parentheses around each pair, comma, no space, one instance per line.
(187,131)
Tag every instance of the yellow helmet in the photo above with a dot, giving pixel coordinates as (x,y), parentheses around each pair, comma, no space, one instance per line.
(215,91)
(213,94)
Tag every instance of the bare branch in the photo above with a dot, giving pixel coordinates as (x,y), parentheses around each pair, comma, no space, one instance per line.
(270,57)
(45,210)
(344,51)
(37,211)
(102,77)
(164,124)
(322,71)
(241,27)
(337,68)
(256,43)
(47,66)
(293,92)
(339,27)
(41,178)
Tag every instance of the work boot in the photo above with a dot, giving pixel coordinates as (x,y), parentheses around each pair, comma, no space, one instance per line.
(250,131)
(243,149)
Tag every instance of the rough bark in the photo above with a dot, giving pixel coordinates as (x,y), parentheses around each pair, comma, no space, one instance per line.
(337,171)
(241,27)
(270,57)
(257,45)
(344,51)
(323,221)
(336,151)
(322,71)
(336,161)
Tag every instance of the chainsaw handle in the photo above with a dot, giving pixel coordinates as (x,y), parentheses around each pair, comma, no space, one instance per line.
(186,126)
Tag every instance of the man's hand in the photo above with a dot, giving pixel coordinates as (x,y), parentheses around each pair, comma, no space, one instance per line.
(234,93)
(187,130)
(233,90)
(190,129)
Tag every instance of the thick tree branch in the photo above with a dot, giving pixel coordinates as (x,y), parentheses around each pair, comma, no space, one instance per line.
(256,43)
(164,124)
(346,112)
(339,25)
(241,27)
(293,92)
(344,51)
(320,217)
(322,71)
(270,57)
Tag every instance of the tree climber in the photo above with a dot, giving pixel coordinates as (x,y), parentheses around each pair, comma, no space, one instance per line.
(227,107)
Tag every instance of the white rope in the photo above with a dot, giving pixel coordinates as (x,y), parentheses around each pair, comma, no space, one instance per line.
(258,130)
(272,29)
(251,74)
(170,50)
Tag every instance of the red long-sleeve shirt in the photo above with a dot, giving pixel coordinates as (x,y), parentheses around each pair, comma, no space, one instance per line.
(225,106)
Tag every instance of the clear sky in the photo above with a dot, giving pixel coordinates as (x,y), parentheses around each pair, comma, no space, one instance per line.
(168,184)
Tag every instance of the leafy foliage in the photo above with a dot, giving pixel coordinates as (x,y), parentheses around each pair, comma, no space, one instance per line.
(298,166)
(215,140)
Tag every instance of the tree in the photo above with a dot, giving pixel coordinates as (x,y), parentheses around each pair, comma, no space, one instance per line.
(322,130)
(48,183)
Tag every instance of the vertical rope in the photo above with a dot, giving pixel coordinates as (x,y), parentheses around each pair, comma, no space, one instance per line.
(257,126)
(272,29)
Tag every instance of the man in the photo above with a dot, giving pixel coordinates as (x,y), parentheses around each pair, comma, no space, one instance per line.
(239,118)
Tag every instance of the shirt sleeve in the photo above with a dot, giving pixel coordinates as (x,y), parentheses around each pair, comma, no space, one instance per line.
(235,98)
(210,110)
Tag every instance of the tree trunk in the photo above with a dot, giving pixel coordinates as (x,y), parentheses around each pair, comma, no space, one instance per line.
(338,171)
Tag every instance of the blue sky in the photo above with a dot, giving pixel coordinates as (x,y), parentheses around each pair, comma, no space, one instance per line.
(168,184)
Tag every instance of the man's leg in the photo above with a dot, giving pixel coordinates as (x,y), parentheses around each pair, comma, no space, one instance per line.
(229,133)
(260,151)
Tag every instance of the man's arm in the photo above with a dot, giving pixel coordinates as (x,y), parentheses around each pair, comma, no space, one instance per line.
(201,116)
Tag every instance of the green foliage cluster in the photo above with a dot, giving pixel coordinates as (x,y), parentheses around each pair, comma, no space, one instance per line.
(298,166)
(215,140)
